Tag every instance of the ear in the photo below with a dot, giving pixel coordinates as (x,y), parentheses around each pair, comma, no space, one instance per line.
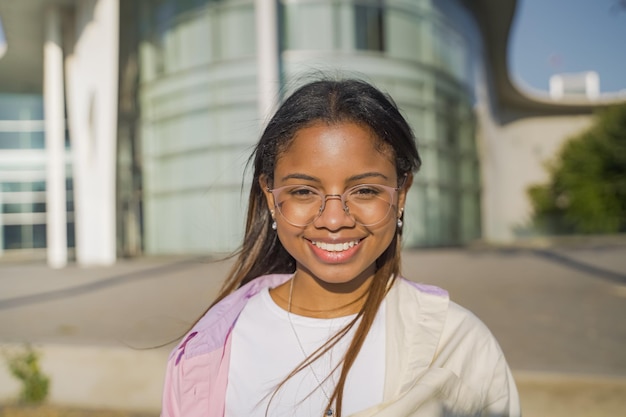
(402,192)
(265,186)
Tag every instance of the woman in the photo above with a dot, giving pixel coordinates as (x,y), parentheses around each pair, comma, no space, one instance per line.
(314,319)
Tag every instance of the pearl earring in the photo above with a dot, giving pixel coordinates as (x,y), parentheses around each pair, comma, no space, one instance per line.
(400,223)
(274,225)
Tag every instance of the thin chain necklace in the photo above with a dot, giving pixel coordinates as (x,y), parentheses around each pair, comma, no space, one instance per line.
(330,412)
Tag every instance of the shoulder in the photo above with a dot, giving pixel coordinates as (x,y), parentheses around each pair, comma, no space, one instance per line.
(211,330)
(430,297)
(468,347)
(420,290)
(415,301)
(459,331)
(463,325)
(436,333)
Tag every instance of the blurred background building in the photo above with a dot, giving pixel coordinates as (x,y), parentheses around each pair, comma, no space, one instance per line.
(580,84)
(125,126)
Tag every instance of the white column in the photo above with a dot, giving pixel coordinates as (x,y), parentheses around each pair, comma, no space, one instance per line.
(56,217)
(268,76)
(92,70)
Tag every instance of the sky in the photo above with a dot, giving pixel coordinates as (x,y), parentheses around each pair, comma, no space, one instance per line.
(569,36)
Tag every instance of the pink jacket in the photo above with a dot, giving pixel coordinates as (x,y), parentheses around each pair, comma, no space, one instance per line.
(441,360)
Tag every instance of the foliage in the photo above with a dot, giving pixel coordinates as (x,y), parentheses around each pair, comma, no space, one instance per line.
(586,192)
(24,366)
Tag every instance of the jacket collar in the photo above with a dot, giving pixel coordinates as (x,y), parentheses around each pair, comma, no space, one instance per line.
(414,324)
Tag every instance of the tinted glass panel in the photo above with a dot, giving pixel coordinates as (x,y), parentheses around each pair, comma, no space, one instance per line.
(369,28)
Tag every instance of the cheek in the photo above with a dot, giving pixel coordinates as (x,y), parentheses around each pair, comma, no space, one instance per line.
(383,236)
(286,232)
(390,233)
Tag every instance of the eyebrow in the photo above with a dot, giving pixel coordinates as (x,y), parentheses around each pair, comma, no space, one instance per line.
(357,177)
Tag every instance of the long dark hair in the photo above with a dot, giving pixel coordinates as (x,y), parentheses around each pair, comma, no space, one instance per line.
(330,102)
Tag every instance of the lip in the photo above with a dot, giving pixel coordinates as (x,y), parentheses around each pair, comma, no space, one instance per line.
(334,256)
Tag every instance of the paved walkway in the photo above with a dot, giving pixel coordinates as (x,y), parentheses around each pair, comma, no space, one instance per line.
(558,314)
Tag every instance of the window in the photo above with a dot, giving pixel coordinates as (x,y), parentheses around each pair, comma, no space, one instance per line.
(24,236)
(369,26)
(21,140)
(23,208)
(22,215)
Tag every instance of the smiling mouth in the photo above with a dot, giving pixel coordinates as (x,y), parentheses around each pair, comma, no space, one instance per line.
(336,247)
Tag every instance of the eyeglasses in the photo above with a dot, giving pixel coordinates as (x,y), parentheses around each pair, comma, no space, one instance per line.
(367,204)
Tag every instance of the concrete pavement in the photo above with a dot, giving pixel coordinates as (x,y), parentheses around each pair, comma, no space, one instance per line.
(558,313)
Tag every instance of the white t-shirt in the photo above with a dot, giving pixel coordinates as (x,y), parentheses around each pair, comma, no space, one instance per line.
(265,350)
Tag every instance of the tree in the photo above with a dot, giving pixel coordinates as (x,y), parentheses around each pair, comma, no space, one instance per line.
(586,192)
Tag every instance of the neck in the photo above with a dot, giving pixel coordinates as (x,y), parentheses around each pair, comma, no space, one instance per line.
(310,299)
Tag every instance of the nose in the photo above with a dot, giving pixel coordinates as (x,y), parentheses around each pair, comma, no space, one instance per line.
(334,214)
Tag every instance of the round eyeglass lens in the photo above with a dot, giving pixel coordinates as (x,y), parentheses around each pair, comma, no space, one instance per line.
(369,204)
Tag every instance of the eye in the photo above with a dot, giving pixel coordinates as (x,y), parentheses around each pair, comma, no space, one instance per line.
(302,193)
(365,191)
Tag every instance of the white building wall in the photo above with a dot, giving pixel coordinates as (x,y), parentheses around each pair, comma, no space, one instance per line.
(513,157)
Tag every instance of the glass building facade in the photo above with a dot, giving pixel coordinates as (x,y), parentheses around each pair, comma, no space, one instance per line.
(198,106)
(23,175)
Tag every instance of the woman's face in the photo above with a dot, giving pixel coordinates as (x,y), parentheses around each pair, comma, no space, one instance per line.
(334,248)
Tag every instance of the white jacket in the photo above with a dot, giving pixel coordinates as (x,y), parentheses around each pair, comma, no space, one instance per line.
(441,360)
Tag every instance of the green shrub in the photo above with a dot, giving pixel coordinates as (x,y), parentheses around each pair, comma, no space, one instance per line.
(24,366)
(586,192)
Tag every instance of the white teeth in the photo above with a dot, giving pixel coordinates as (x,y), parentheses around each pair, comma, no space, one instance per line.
(336,247)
